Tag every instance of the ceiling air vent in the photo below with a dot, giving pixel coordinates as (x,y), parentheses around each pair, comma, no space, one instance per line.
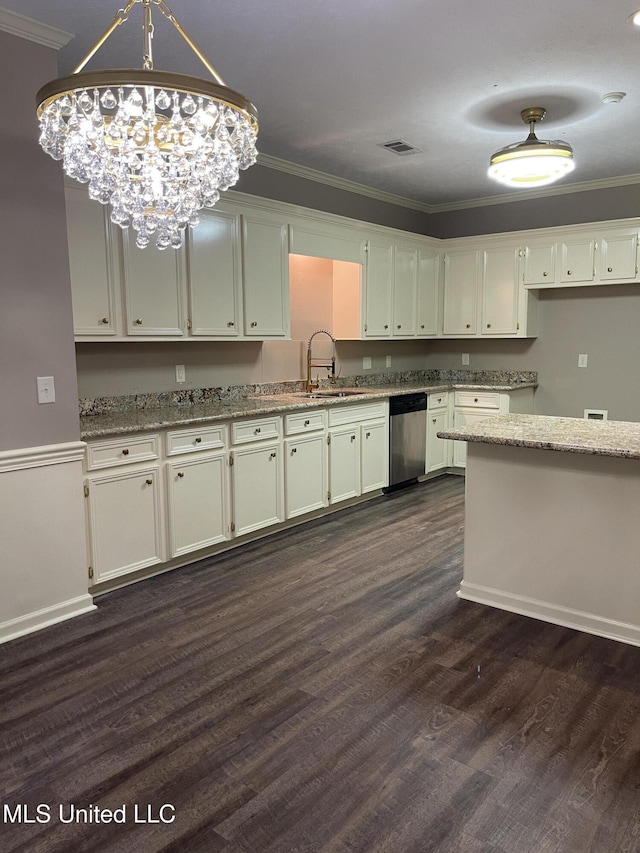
(399,146)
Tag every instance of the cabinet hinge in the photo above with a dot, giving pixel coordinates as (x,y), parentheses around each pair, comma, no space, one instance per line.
(366,327)
(231,459)
(188,324)
(86,490)
(233,527)
(90,572)
(328,496)
(328,439)
(517,327)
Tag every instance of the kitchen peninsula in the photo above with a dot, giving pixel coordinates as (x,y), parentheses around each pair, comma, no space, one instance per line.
(551,526)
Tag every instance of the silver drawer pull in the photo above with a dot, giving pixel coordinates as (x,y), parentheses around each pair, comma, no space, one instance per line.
(197,440)
(256,430)
(125,451)
(306,423)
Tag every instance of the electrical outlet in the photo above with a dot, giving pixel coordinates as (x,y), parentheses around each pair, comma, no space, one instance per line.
(465,358)
(583,359)
(46,389)
(366,362)
(388,362)
(181,375)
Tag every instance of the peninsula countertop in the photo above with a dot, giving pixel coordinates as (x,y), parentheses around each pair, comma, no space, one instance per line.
(570,435)
(115,423)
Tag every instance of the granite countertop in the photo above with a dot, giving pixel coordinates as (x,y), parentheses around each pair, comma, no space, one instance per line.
(115,423)
(571,435)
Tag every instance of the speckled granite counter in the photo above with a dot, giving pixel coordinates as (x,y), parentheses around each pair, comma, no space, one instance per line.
(571,435)
(111,423)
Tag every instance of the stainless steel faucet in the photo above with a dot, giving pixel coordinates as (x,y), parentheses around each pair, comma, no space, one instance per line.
(330,364)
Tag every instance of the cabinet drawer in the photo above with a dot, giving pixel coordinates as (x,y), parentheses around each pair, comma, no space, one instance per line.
(438,401)
(304,422)
(121,451)
(356,414)
(188,440)
(242,432)
(477,399)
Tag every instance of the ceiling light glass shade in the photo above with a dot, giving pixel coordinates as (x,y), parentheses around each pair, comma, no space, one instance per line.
(155,145)
(534,162)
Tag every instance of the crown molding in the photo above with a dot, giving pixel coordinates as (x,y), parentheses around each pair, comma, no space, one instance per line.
(523,195)
(548,192)
(341,183)
(19,25)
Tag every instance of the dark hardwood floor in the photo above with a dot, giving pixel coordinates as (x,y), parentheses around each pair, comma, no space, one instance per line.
(322,690)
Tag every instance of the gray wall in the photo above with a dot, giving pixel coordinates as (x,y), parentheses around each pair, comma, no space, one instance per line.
(565,209)
(36,330)
(602,321)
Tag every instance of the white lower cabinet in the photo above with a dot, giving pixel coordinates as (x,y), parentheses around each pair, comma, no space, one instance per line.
(125,522)
(438,419)
(197,502)
(256,484)
(344,463)
(374,456)
(470,407)
(358,449)
(305,474)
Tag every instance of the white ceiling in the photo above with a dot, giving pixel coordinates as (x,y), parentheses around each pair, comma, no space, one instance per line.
(332,79)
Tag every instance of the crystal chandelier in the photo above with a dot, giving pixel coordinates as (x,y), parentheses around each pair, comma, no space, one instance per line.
(157,146)
(533,162)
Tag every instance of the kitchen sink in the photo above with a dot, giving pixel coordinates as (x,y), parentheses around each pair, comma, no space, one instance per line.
(319,394)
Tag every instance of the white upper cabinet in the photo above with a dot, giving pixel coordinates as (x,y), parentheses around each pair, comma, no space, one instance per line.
(617,258)
(265,252)
(154,289)
(404,291)
(577,260)
(378,289)
(461,281)
(500,291)
(605,254)
(428,293)
(539,264)
(93,265)
(214,275)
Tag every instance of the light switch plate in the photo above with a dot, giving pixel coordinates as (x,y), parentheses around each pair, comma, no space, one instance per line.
(366,362)
(46,389)
(583,359)
(388,362)
(465,358)
(181,375)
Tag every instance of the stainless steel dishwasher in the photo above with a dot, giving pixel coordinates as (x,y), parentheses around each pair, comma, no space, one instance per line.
(407,439)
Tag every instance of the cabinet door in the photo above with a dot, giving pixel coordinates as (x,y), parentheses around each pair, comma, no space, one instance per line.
(257,487)
(197,503)
(462,417)
(404,292)
(460,293)
(344,467)
(154,289)
(378,290)
(124,522)
(428,293)
(577,260)
(618,257)
(500,292)
(438,449)
(92,265)
(540,264)
(214,275)
(305,474)
(265,253)
(374,456)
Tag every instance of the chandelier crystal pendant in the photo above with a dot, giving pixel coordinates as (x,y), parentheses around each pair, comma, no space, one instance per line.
(534,162)
(157,146)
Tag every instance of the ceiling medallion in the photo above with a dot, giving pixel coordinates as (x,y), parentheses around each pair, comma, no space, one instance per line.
(155,145)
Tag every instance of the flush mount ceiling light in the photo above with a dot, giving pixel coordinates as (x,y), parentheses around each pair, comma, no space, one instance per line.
(534,162)
(157,146)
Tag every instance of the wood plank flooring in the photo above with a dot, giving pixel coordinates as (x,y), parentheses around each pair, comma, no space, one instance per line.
(322,691)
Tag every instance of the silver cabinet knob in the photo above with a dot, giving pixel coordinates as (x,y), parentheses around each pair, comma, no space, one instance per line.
(149,481)
(125,451)
(181,474)
(105,321)
(139,321)
(230,323)
(609,269)
(254,324)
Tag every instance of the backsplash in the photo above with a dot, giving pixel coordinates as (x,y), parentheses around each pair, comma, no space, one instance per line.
(190,397)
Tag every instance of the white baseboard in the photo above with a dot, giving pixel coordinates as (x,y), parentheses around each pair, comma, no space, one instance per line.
(557,614)
(45,617)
